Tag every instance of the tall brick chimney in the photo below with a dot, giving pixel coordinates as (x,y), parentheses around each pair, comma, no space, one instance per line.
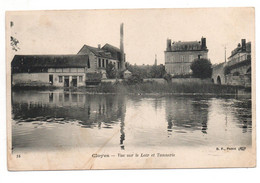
(122,64)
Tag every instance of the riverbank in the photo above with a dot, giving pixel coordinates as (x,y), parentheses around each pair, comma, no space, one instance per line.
(148,87)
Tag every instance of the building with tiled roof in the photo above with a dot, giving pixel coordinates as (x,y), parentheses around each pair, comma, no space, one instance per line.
(180,55)
(99,58)
(46,70)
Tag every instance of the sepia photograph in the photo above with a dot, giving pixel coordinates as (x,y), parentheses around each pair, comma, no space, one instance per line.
(130,88)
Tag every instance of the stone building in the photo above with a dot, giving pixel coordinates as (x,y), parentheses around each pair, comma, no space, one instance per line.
(99,57)
(237,70)
(179,55)
(241,52)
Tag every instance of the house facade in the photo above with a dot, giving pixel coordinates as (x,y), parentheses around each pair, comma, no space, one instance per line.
(49,70)
(180,55)
(99,58)
(241,52)
(237,70)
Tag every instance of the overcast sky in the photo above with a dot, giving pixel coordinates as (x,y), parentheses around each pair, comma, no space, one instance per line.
(145,31)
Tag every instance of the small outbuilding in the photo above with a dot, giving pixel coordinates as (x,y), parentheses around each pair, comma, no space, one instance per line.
(127,74)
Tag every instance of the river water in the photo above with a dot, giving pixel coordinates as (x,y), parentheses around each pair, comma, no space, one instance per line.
(54,120)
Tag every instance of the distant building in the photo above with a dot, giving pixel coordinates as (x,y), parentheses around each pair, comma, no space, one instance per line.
(237,70)
(180,55)
(241,52)
(127,74)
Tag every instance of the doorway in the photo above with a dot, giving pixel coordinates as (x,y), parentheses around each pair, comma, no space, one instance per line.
(51,79)
(74,81)
(66,81)
(218,80)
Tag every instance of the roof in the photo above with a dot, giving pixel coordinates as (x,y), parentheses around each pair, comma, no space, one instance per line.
(188,45)
(238,49)
(127,71)
(50,61)
(115,52)
(96,51)
(111,48)
(193,43)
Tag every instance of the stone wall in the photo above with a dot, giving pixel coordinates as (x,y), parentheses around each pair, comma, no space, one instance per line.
(31,79)
(178,63)
(240,76)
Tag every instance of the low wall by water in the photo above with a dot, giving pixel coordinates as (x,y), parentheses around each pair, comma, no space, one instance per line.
(161,80)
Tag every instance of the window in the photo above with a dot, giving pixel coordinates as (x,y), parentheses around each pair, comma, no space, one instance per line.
(51,70)
(58,70)
(60,79)
(191,58)
(103,62)
(106,62)
(99,62)
(182,58)
(81,70)
(80,78)
(73,70)
(66,70)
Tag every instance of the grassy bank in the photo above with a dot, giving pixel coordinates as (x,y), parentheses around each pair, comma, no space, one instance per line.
(150,87)
(153,87)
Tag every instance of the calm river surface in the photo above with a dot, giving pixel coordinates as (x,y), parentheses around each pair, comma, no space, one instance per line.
(44,120)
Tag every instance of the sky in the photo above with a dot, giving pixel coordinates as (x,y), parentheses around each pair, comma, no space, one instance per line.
(145,30)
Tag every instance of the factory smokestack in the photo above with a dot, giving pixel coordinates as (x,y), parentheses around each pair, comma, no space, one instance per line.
(122,64)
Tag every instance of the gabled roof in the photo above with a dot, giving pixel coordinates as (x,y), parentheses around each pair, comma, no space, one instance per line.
(110,47)
(44,61)
(115,52)
(96,51)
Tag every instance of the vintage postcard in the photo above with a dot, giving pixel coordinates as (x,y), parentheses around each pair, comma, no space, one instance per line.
(131,89)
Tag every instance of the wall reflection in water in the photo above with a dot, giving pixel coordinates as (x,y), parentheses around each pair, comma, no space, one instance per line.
(187,114)
(47,120)
(88,111)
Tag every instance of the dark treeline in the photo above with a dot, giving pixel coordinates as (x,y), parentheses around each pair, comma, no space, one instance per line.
(147,71)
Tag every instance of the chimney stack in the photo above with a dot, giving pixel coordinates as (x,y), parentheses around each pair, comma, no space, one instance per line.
(243,42)
(203,43)
(122,64)
(99,46)
(168,45)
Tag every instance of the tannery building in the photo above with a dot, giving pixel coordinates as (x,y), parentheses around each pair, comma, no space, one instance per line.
(180,55)
(44,70)
(67,70)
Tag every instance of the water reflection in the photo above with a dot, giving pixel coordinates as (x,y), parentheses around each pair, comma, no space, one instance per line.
(187,114)
(47,120)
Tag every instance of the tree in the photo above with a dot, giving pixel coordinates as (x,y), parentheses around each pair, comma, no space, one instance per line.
(134,79)
(157,71)
(14,43)
(111,71)
(201,68)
